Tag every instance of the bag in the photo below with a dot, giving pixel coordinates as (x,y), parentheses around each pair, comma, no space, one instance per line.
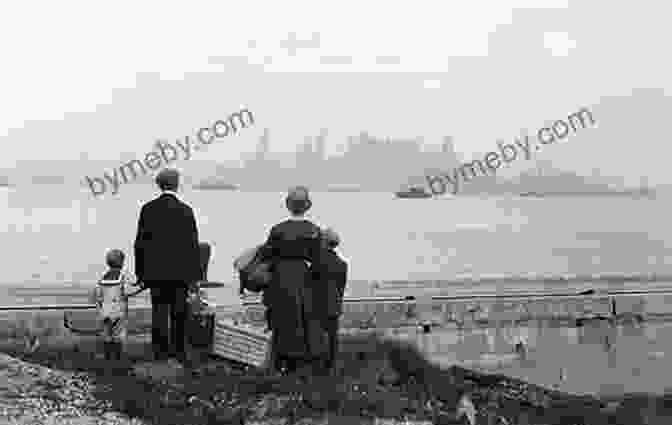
(245,259)
(200,329)
(201,319)
(254,275)
(257,276)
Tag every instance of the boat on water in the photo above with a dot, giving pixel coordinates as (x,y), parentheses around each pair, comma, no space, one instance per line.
(344,188)
(47,180)
(215,185)
(639,193)
(413,192)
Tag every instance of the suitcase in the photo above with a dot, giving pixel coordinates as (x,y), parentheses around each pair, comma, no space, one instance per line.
(200,324)
(200,329)
(242,343)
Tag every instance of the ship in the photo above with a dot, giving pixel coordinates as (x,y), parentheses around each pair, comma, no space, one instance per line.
(47,180)
(344,188)
(215,185)
(413,192)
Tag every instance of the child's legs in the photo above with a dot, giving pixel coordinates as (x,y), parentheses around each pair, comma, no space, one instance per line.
(114,334)
(107,338)
(119,338)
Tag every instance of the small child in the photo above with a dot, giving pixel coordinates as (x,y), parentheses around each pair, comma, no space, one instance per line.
(111,297)
(332,274)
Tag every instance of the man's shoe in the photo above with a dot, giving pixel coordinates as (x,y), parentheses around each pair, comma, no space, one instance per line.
(175,363)
(182,359)
(160,357)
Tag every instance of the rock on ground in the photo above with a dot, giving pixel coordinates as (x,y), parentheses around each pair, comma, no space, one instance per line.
(34,394)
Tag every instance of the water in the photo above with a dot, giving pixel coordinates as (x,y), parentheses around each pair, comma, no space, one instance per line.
(596,359)
(58,234)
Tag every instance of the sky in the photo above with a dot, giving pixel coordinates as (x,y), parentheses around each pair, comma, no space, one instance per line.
(102,80)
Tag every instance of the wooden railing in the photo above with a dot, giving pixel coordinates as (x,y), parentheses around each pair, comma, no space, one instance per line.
(507,297)
(408,298)
(468,296)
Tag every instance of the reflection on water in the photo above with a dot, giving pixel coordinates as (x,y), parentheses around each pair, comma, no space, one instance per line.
(597,358)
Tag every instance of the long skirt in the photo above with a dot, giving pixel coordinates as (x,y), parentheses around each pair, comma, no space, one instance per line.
(297,333)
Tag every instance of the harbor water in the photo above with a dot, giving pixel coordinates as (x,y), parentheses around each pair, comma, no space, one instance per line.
(56,234)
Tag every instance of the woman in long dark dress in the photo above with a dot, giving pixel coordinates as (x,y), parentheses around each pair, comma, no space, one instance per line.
(292,246)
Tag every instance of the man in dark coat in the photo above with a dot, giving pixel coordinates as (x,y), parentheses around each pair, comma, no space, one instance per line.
(167,260)
(330,276)
(292,246)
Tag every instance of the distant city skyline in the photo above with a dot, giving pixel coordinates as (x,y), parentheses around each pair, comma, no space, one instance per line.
(478,77)
(397,162)
(617,120)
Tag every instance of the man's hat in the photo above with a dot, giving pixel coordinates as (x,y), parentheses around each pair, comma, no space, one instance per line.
(298,200)
(168,178)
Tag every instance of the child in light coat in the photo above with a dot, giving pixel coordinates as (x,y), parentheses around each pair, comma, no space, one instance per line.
(111,297)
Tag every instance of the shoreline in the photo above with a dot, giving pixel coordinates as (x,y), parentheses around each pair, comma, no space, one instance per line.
(462,284)
(459,342)
(48,324)
(28,323)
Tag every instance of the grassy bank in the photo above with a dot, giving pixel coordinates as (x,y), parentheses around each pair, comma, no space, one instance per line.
(375,378)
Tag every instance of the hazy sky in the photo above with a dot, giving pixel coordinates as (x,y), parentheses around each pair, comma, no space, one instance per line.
(113,77)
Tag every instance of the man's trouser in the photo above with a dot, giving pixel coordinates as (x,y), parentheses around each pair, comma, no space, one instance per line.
(331,327)
(169,316)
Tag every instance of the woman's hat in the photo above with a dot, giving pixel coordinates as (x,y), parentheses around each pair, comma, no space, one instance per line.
(298,200)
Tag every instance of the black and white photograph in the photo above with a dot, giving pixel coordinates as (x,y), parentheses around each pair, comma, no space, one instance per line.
(357,213)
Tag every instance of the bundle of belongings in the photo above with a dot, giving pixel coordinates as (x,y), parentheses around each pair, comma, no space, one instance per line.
(201,318)
(197,300)
(254,274)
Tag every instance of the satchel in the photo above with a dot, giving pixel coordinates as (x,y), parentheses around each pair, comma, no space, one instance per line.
(245,259)
(258,276)
(254,275)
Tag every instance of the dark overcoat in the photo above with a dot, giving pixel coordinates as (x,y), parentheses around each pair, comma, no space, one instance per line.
(292,247)
(330,275)
(166,244)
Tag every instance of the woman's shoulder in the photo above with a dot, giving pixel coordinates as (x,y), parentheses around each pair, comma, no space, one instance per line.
(296,227)
(312,228)
(281,226)
(309,230)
